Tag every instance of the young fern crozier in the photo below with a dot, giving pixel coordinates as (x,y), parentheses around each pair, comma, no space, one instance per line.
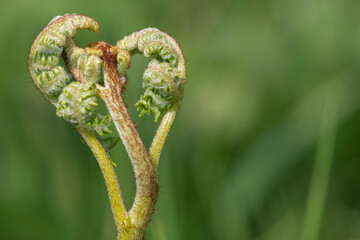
(99,71)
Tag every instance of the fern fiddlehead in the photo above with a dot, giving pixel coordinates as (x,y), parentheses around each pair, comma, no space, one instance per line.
(44,56)
(77,104)
(164,77)
(100,71)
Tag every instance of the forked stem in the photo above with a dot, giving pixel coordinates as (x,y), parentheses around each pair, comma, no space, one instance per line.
(146,182)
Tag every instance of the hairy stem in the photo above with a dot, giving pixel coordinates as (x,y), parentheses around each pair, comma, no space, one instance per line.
(162,133)
(117,205)
(146,182)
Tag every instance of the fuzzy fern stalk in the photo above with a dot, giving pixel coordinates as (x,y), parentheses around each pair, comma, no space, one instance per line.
(99,71)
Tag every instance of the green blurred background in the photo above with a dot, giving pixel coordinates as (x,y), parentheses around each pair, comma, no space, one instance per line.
(273,91)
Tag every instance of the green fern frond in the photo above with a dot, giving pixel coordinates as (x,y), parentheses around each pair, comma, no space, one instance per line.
(100,125)
(44,56)
(77,104)
(84,63)
(164,78)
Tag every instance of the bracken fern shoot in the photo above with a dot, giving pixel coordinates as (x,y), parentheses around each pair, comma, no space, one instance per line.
(99,71)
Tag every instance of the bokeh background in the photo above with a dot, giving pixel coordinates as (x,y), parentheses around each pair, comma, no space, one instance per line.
(266,144)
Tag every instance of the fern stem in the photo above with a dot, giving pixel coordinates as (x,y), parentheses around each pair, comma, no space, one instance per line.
(117,205)
(162,133)
(146,181)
